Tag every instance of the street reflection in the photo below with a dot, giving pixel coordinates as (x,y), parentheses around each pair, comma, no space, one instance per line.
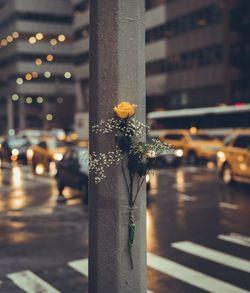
(19,237)
(180,181)
(16,182)
(16,177)
(154,183)
(181,198)
(17,200)
(151,237)
(1,176)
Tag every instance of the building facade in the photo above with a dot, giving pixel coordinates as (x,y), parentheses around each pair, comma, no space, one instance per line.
(194,52)
(81,70)
(197,55)
(36,64)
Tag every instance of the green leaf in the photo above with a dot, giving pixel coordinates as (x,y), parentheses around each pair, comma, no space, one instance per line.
(142,169)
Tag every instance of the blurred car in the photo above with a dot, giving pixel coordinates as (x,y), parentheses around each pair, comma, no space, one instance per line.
(33,135)
(233,160)
(14,148)
(170,158)
(72,171)
(58,133)
(44,155)
(194,146)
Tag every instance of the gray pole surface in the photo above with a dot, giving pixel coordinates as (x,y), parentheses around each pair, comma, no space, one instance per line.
(117,73)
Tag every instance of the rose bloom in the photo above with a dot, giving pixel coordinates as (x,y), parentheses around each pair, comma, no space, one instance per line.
(124,110)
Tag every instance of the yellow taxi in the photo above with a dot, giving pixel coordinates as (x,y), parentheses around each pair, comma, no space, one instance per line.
(233,160)
(46,153)
(195,145)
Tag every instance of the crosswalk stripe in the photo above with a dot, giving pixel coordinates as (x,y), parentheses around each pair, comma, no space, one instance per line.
(81,266)
(213,255)
(186,197)
(31,283)
(191,276)
(227,205)
(235,238)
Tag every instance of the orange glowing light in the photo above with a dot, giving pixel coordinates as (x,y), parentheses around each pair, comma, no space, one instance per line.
(28,76)
(34,74)
(53,42)
(61,38)
(10,39)
(15,35)
(38,61)
(39,36)
(49,58)
(32,40)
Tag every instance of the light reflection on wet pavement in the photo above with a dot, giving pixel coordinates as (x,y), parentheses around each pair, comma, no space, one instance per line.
(184,204)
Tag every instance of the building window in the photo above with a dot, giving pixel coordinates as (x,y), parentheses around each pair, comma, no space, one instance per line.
(149,4)
(40,17)
(82,6)
(82,33)
(181,25)
(240,54)
(82,58)
(241,90)
(240,17)
(186,60)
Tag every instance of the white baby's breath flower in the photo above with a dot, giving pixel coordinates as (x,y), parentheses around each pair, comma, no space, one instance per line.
(99,161)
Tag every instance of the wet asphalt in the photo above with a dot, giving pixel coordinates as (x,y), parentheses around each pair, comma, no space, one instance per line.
(188,205)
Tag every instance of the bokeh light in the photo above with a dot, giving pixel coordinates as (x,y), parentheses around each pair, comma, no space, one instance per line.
(29,100)
(67,75)
(49,117)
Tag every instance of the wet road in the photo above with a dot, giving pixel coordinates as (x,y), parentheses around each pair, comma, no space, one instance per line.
(197,228)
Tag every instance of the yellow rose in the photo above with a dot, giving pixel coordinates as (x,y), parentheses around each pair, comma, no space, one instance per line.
(124,110)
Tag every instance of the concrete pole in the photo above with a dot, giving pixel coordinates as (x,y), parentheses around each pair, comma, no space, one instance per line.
(117,73)
(22,120)
(10,114)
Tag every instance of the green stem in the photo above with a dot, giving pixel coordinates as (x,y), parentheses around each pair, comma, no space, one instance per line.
(131,187)
(138,189)
(125,177)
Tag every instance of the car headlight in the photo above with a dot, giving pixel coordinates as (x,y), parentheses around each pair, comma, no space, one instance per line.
(15,152)
(39,170)
(178,153)
(57,156)
(221,156)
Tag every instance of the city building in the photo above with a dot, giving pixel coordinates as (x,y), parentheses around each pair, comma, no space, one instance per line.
(36,65)
(196,52)
(197,55)
(81,70)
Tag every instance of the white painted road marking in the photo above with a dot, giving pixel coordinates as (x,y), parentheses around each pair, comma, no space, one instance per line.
(227,205)
(81,266)
(31,283)
(235,238)
(186,197)
(191,276)
(213,255)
